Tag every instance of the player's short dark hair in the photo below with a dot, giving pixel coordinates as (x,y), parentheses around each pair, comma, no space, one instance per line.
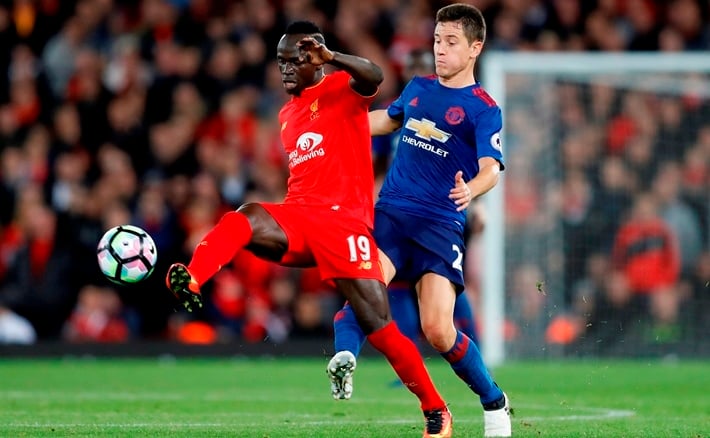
(471,18)
(305,28)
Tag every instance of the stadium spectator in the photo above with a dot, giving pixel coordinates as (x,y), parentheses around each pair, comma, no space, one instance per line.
(97,317)
(678,215)
(699,322)
(613,317)
(612,196)
(59,55)
(646,249)
(15,329)
(40,283)
(528,301)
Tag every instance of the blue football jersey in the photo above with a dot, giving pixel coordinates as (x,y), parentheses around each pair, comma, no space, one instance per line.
(444,130)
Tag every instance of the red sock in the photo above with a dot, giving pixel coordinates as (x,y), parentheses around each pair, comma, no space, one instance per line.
(219,246)
(404,357)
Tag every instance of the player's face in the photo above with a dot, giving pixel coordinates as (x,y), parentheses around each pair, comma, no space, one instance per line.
(296,72)
(453,54)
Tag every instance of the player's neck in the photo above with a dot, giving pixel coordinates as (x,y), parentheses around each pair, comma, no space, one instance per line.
(460,80)
(316,81)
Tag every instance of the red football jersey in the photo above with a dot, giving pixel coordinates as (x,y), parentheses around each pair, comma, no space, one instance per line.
(326,135)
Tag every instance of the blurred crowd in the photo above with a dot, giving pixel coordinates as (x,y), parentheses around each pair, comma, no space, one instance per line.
(616,194)
(163,114)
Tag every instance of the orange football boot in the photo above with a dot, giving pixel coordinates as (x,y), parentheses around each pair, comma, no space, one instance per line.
(183,286)
(439,423)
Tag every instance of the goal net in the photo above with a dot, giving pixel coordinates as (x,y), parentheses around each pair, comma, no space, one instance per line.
(596,242)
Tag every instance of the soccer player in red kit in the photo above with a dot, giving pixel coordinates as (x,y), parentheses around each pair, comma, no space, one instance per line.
(327,216)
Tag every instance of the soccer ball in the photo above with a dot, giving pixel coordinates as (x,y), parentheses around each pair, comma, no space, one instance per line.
(126,254)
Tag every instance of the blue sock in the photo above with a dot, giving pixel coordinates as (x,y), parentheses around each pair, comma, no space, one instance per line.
(464,318)
(467,363)
(404,308)
(348,334)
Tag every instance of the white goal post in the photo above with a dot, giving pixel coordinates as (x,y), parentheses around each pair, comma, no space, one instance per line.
(494,70)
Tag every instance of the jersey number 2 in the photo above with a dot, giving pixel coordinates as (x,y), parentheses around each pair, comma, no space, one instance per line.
(359,246)
(459,258)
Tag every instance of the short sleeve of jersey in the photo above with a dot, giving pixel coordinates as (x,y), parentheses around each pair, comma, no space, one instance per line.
(341,81)
(396,109)
(489,123)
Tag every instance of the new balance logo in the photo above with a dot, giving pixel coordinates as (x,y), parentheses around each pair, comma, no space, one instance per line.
(365,266)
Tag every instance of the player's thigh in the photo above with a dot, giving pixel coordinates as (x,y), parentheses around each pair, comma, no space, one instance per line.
(345,252)
(437,298)
(415,245)
(438,249)
(342,246)
(277,233)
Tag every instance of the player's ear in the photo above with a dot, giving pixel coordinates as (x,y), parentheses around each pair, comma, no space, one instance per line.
(476,48)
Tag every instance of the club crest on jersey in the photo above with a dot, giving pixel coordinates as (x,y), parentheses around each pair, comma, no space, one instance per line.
(314,110)
(454,115)
(426,130)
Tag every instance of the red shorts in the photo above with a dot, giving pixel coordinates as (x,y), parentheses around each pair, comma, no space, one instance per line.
(340,244)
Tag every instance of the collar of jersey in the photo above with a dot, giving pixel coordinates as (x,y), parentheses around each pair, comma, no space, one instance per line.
(316,84)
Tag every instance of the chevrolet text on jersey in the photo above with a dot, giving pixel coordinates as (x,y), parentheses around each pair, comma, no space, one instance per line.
(424,145)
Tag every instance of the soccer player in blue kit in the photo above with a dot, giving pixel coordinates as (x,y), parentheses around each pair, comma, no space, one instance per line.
(402,294)
(449,153)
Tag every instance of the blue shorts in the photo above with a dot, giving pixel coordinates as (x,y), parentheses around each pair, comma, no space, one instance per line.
(418,245)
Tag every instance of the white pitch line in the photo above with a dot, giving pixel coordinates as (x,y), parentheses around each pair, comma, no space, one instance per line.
(606,415)
(303,421)
(593,413)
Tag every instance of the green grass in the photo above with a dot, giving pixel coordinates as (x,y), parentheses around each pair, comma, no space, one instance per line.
(290,398)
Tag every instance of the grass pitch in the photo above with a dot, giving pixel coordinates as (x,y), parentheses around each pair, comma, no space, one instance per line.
(291,398)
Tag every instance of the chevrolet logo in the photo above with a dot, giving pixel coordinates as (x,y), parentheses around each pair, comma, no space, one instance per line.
(426,129)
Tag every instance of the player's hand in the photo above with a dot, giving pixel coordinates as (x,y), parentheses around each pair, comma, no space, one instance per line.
(461,193)
(314,52)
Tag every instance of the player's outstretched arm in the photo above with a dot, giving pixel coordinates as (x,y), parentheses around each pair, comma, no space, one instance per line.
(464,192)
(366,75)
(381,123)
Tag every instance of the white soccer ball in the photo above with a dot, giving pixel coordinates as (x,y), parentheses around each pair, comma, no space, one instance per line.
(126,254)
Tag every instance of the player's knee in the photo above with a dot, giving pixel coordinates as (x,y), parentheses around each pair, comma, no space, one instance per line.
(438,335)
(252,211)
